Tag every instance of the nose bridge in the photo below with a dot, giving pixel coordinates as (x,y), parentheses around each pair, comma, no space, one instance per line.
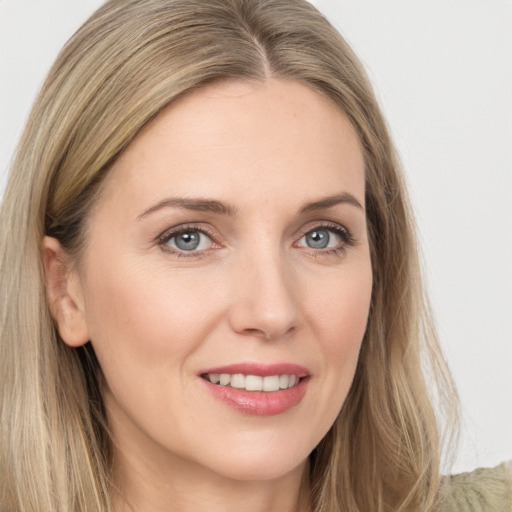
(265,302)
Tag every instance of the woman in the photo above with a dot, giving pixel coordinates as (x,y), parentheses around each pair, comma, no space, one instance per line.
(211,294)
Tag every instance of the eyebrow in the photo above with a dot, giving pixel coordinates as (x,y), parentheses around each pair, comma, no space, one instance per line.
(329,202)
(198,205)
(220,208)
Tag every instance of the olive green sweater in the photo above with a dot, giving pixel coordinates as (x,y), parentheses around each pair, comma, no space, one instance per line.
(482,490)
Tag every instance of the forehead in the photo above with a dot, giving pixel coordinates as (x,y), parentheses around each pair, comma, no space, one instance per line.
(243,140)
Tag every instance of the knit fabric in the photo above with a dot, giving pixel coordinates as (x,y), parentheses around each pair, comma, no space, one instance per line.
(482,490)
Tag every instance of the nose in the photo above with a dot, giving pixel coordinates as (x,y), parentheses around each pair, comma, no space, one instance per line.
(265,300)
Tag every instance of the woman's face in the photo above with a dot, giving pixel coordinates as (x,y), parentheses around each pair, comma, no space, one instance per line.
(230,244)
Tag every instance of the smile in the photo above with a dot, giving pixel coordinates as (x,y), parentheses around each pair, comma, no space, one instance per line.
(268,383)
(257,389)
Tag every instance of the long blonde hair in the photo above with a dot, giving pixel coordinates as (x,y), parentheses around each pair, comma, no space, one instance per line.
(130,60)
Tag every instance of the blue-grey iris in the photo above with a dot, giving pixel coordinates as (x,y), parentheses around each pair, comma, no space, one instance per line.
(318,239)
(188,240)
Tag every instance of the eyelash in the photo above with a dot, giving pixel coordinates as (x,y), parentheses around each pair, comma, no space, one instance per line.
(167,236)
(346,236)
(347,239)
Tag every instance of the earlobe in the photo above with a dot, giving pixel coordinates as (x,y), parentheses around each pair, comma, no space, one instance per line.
(64,294)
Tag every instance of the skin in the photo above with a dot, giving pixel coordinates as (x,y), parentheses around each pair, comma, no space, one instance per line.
(254,291)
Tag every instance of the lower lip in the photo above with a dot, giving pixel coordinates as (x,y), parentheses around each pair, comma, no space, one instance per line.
(259,403)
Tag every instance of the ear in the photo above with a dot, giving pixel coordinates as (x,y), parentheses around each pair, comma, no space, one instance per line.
(64,293)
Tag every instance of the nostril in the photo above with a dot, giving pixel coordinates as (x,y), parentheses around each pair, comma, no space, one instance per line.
(267,334)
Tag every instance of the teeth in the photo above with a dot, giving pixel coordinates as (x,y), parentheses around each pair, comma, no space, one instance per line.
(254,382)
(224,379)
(238,381)
(271,383)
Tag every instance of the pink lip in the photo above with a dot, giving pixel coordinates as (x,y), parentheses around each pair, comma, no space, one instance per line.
(260,403)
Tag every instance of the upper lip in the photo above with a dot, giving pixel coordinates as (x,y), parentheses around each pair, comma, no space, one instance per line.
(260,369)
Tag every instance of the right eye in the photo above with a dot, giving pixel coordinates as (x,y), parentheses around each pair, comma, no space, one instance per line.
(187,240)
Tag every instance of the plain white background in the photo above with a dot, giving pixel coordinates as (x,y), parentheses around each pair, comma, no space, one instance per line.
(443,73)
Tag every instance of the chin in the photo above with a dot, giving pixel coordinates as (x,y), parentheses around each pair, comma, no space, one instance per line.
(260,462)
(248,471)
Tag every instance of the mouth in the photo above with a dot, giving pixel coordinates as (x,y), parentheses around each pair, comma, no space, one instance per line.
(268,383)
(258,389)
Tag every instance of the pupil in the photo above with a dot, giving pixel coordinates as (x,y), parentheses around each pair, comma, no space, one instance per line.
(318,239)
(187,241)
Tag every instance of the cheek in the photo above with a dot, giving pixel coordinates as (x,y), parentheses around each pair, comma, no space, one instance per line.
(340,311)
(140,319)
(145,328)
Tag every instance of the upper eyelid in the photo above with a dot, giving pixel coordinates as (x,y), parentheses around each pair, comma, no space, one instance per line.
(326,224)
(199,226)
(176,230)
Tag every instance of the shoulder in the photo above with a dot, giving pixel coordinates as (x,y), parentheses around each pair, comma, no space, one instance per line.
(482,490)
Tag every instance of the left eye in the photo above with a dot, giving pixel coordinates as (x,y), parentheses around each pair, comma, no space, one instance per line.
(189,240)
(320,238)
